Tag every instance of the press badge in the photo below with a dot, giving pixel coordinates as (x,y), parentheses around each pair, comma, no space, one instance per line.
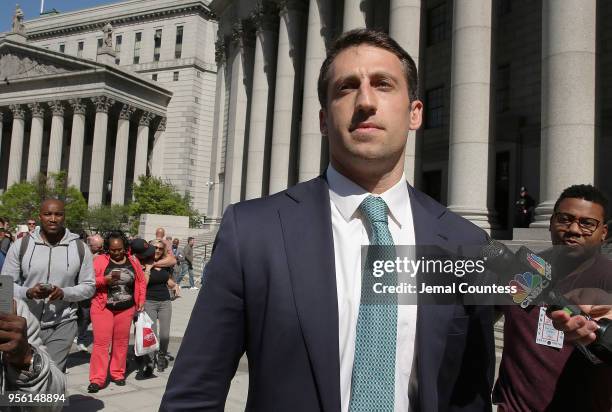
(547,335)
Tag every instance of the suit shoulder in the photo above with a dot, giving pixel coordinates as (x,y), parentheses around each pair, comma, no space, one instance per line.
(458,227)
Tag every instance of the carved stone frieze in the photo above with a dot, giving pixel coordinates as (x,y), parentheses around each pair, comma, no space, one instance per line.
(14,66)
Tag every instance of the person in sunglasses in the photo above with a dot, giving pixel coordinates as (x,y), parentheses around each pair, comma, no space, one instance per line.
(550,374)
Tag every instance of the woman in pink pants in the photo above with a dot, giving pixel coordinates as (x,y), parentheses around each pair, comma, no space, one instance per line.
(120,291)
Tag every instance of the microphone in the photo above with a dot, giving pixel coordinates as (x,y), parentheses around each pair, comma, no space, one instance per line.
(528,272)
(533,277)
(602,346)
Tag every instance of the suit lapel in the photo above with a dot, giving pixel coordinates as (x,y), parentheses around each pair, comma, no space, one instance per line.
(432,320)
(309,246)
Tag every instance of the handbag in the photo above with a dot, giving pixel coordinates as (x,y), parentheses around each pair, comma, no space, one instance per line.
(145,341)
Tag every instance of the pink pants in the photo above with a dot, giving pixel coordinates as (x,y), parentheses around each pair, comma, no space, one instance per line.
(109,325)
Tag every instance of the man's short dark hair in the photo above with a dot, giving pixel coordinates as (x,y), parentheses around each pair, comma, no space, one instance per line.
(189,239)
(373,38)
(586,192)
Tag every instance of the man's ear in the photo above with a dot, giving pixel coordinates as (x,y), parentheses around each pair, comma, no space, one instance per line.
(605,233)
(322,122)
(416,114)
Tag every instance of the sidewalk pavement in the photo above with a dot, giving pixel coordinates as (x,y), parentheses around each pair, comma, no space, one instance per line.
(143,395)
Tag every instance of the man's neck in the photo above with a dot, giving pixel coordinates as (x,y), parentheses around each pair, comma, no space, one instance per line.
(52,238)
(372,181)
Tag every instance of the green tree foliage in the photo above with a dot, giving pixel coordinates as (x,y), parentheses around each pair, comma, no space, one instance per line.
(104,218)
(153,195)
(22,201)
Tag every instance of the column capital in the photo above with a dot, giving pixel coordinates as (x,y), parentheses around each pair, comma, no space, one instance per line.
(220,51)
(57,107)
(18,111)
(241,36)
(285,6)
(79,106)
(265,16)
(37,109)
(126,111)
(161,127)
(145,119)
(103,103)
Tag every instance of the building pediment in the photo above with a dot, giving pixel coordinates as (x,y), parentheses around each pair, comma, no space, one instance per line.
(21,61)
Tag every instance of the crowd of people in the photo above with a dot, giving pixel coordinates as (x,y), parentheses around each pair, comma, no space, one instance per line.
(66,284)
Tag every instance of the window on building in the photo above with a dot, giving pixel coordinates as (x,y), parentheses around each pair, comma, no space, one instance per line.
(197,99)
(118,41)
(437,27)
(193,141)
(137,41)
(62,48)
(178,47)
(190,183)
(154,77)
(80,47)
(502,86)
(100,43)
(157,44)
(435,107)
(175,76)
(192,162)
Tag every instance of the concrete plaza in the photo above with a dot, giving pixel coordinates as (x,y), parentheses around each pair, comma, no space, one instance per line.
(143,395)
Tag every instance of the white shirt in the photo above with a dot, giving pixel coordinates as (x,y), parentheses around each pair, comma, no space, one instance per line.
(350,234)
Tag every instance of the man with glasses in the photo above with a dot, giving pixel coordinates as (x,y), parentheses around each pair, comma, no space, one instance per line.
(540,374)
(31,225)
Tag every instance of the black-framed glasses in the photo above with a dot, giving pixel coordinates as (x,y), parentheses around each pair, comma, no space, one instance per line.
(586,224)
(31,224)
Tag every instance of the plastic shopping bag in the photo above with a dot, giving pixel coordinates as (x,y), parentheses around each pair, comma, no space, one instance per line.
(145,341)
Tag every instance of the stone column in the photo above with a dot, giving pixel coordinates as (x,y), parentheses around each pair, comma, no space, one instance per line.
(57,134)
(36,140)
(156,162)
(215,184)
(266,22)
(121,149)
(98,151)
(75,161)
(237,121)
(405,28)
(1,127)
(567,150)
(355,14)
(469,118)
(310,138)
(288,83)
(14,168)
(142,145)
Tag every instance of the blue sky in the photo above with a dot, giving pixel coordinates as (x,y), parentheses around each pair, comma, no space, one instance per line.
(31,8)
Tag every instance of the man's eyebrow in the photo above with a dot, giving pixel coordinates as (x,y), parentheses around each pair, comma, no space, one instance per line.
(377,74)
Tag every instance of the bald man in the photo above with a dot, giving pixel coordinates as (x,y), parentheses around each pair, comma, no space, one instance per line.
(54,272)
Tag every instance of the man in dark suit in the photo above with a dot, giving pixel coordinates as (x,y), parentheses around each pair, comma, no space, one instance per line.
(284,281)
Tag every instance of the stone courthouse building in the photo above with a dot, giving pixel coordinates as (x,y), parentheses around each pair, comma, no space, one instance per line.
(108,94)
(516,92)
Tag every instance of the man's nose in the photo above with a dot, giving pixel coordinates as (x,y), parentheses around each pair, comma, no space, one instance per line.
(366,99)
(574,227)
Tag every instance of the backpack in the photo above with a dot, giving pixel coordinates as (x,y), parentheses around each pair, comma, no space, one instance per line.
(25,240)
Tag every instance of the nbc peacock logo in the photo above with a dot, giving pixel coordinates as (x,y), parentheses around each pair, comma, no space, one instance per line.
(528,285)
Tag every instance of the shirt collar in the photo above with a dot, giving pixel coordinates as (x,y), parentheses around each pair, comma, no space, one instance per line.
(347,195)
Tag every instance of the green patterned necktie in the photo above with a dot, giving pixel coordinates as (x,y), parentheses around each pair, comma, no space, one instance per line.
(373,379)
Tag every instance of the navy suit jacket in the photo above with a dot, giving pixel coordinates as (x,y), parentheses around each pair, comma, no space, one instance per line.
(270,290)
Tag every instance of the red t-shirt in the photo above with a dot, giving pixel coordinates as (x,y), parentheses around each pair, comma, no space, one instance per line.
(534,377)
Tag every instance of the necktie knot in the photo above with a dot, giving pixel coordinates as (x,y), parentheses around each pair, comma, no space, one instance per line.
(374,209)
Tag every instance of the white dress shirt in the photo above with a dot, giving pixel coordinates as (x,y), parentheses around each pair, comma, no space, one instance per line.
(350,234)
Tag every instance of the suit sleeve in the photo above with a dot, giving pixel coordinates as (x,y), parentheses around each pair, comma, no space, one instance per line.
(215,337)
